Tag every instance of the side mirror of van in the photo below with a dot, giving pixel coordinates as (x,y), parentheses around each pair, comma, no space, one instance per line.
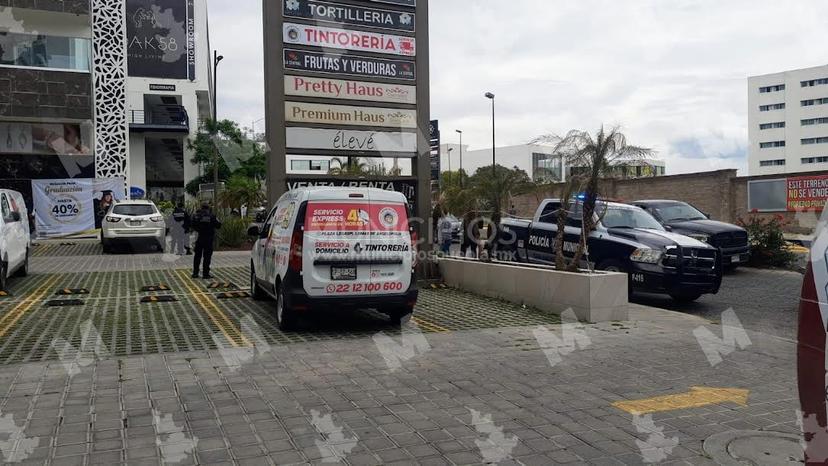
(254,230)
(668,228)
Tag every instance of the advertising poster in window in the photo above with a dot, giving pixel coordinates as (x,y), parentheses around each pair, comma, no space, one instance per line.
(161,38)
(807,193)
(73,208)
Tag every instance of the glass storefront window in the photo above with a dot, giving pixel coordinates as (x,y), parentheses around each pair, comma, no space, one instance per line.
(39,51)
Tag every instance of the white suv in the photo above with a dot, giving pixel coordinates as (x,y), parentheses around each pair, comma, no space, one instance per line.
(15,240)
(336,248)
(133,222)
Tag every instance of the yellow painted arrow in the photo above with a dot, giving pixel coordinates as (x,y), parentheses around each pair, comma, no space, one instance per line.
(695,398)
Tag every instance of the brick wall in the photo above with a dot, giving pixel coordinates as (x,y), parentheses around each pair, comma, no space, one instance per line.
(78,7)
(720,193)
(45,94)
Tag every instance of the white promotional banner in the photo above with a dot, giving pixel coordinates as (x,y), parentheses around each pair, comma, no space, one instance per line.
(352,90)
(350,140)
(297,112)
(362,41)
(73,207)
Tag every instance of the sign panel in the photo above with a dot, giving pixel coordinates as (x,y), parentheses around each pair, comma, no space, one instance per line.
(434,139)
(162,87)
(350,90)
(351,141)
(73,207)
(362,41)
(158,35)
(349,14)
(298,112)
(407,187)
(807,193)
(411,3)
(348,65)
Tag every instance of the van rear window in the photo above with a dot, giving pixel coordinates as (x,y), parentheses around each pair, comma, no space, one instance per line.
(353,216)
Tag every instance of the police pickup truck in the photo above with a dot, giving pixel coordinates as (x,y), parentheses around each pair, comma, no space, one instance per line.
(626,239)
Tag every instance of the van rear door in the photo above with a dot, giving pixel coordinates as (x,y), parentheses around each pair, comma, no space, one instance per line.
(334,229)
(389,249)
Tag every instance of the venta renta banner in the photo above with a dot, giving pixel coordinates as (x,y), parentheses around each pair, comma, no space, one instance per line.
(73,208)
(407,187)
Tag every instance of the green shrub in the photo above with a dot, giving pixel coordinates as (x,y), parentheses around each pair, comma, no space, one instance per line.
(767,241)
(233,232)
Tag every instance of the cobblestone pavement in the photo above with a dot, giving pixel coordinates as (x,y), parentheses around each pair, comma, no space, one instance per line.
(509,387)
(764,300)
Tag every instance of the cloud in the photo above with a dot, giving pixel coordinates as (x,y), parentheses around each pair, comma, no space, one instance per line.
(670,73)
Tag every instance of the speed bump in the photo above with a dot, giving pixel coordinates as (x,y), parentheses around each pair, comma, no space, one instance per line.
(65,302)
(233,295)
(72,291)
(159,299)
(153,288)
(221,285)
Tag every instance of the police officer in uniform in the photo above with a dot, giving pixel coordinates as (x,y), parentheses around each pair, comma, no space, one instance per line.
(205,224)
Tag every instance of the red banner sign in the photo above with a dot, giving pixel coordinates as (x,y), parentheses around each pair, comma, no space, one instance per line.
(807,193)
(355,217)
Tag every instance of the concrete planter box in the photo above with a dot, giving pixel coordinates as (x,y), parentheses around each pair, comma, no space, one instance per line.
(594,297)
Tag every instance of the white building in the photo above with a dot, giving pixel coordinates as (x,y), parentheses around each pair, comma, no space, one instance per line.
(788,121)
(537,160)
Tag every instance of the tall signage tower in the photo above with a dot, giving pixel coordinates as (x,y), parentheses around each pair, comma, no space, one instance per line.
(348,79)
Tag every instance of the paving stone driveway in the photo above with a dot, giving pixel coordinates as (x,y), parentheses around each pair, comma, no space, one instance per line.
(495,393)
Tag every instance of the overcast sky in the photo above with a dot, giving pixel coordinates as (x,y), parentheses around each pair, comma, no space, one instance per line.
(672,73)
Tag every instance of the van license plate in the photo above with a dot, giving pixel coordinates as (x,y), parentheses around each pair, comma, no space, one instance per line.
(736,260)
(343,273)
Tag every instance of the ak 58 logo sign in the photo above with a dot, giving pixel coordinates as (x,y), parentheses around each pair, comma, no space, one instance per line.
(161,38)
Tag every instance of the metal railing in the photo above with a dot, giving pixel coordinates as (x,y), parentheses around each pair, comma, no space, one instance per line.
(161,115)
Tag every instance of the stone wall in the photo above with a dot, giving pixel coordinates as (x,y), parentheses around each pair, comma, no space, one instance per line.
(719,193)
(28,93)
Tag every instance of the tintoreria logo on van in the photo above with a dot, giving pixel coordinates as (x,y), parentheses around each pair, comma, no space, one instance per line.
(359,248)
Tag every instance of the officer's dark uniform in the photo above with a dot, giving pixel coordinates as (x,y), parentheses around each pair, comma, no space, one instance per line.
(205,224)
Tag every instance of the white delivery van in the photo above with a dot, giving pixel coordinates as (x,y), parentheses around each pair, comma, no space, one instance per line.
(15,240)
(335,249)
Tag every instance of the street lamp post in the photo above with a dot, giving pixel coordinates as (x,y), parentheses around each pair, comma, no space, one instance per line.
(461,156)
(491,96)
(450,149)
(216,60)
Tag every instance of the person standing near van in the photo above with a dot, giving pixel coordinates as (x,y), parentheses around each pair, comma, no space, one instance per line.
(179,224)
(471,234)
(444,234)
(205,224)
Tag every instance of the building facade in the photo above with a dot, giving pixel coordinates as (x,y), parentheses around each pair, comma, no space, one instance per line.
(788,121)
(102,89)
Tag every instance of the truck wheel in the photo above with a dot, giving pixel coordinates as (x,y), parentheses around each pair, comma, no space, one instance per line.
(255,290)
(685,297)
(400,315)
(3,275)
(285,316)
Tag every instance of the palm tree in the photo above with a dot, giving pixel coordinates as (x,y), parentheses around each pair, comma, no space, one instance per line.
(349,166)
(598,156)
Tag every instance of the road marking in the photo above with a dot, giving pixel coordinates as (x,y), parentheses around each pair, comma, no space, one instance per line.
(11,317)
(695,398)
(216,314)
(429,325)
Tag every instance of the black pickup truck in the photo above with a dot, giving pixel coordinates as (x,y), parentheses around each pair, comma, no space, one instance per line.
(626,239)
(682,218)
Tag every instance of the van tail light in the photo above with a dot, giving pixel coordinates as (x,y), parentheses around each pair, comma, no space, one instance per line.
(295,260)
(414,253)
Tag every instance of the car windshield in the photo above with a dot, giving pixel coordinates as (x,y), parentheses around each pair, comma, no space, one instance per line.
(629,217)
(679,212)
(133,210)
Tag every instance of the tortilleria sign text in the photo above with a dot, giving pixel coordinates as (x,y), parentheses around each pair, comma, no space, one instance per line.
(349,14)
(297,112)
(351,90)
(315,36)
(300,60)
(351,140)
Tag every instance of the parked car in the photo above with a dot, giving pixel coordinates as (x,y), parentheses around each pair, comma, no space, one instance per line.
(626,239)
(683,218)
(15,239)
(133,222)
(812,364)
(335,249)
